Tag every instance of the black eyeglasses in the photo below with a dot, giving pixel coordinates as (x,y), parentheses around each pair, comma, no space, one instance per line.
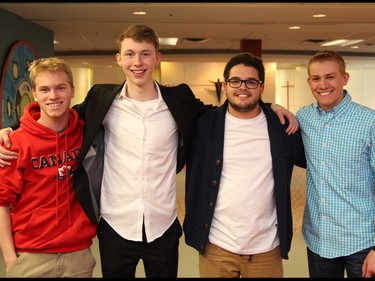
(250,84)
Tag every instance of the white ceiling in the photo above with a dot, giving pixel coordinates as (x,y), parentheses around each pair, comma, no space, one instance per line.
(86,30)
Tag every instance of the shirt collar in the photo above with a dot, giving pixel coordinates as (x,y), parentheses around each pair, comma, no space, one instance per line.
(122,94)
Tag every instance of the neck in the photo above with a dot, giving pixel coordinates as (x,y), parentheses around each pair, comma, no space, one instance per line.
(244,113)
(56,124)
(143,92)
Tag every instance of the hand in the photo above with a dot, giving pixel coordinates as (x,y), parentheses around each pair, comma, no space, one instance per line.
(283,112)
(9,262)
(6,154)
(368,267)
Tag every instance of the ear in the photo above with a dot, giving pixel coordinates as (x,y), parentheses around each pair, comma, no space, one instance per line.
(34,95)
(261,89)
(158,57)
(118,59)
(346,78)
(73,92)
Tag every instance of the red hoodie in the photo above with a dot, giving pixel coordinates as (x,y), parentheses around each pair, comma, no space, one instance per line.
(46,214)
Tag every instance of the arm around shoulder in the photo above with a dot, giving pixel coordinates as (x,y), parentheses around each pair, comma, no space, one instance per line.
(5,153)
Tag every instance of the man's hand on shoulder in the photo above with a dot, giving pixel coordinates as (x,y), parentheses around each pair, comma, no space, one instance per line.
(283,113)
(5,153)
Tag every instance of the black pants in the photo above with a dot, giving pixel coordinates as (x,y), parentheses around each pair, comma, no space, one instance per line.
(119,257)
(320,267)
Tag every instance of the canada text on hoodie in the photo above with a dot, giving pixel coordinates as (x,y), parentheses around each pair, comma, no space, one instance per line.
(45,212)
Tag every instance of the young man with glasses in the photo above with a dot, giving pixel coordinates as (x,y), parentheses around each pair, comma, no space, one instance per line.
(239,168)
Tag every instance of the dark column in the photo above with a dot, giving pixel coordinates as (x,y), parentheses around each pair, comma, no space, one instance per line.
(253,46)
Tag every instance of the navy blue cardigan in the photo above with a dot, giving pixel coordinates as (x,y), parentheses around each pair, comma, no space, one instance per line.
(203,171)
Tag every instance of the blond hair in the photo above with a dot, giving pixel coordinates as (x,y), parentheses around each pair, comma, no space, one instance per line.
(51,64)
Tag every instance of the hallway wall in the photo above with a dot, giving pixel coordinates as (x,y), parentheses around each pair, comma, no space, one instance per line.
(198,74)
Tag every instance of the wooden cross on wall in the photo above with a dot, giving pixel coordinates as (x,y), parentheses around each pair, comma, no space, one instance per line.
(287,86)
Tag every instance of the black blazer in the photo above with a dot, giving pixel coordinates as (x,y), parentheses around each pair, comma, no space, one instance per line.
(183,105)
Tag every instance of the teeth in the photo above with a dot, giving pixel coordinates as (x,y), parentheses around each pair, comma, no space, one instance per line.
(138,71)
(324,94)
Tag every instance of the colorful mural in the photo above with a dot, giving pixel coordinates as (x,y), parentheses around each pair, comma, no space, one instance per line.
(15,87)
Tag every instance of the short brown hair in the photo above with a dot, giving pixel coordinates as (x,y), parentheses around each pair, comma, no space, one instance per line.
(246,59)
(328,55)
(139,33)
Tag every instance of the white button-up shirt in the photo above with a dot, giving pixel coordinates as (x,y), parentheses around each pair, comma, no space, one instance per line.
(139,181)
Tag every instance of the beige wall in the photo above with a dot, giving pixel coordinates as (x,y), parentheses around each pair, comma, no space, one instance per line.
(198,75)
(361,87)
(82,79)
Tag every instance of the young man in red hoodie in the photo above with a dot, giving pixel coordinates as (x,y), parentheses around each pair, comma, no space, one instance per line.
(43,230)
(146,125)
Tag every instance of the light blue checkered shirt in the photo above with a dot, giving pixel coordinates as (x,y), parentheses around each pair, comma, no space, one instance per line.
(339,217)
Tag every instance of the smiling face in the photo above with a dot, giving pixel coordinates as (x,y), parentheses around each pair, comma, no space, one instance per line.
(138,60)
(327,80)
(53,92)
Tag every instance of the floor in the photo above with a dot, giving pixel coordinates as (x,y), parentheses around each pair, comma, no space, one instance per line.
(296,266)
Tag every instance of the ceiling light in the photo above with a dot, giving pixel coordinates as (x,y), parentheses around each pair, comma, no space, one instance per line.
(341,42)
(319,16)
(294,27)
(172,41)
(351,42)
(139,13)
(56,42)
(334,42)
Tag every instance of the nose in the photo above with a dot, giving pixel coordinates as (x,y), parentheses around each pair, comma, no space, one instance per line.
(323,83)
(53,94)
(137,59)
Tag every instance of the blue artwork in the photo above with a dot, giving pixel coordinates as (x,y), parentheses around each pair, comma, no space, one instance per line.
(15,83)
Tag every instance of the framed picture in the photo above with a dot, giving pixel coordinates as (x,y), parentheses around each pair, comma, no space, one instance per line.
(15,87)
